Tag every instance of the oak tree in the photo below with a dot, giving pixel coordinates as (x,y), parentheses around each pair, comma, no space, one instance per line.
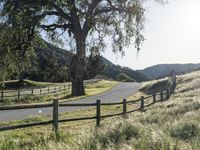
(87,23)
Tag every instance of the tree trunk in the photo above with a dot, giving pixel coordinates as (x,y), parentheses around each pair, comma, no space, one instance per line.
(77,75)
(77,69)
(21,79)
(3,84)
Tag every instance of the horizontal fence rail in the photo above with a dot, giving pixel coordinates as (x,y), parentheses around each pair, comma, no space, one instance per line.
(35,92)
(15,107)
(20,94)
(163,95)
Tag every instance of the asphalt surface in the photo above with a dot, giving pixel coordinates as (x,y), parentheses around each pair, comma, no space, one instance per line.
(118,93)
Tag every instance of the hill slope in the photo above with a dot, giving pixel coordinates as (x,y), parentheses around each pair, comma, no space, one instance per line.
(162,70)
(59,57)
(171,125)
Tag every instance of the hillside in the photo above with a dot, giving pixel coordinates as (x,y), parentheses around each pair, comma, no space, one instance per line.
(162,70)
(53,60)
(171,125)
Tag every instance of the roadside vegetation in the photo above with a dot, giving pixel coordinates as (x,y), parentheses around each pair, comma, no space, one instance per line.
(155,86)
(171,125)
(27,84)
(92,88)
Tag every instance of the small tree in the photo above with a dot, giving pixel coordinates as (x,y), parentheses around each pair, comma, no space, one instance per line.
(87,23)
(95,65)
(124,77)
(16,48)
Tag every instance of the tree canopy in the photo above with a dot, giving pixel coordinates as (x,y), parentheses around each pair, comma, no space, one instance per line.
(86,24)
(16,48)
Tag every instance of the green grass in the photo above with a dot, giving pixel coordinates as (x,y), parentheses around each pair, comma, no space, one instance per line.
(91,89)
(171,125)
(28,84)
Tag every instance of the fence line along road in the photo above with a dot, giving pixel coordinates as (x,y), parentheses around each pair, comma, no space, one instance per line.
(19,94)
(156,97)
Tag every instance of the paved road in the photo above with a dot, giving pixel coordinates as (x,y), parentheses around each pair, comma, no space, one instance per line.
(122,90)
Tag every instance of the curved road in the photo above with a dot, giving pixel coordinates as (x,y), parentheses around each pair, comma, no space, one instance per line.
(119,92)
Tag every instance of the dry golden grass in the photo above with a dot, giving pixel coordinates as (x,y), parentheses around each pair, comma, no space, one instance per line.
(171,125)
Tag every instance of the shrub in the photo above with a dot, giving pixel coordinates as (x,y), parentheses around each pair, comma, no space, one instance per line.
(156,87)
(130,131)
(185,131)
(124,77)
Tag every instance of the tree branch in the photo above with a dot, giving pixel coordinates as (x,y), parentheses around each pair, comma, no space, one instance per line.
(53,27)
(91,8)
(111,9)
(61,11)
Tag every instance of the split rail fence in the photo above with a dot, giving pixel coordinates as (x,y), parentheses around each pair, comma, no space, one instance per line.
(155,97)
(35,92)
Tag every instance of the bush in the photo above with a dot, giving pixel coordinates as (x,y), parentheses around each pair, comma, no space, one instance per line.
(130,131)
(124,77)
(156,87)
(185,131)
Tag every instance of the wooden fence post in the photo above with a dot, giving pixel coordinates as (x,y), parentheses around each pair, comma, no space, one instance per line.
(168,93)
(161,96)
(174,85)
(142,103)
(154,97)
(2,96)
(32,92)
(124,108)
(18,95)
(48,90)
(40,91)
(55,114)
(98,113)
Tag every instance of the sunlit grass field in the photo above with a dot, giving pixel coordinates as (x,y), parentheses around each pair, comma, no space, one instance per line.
(92,88)
(170,125)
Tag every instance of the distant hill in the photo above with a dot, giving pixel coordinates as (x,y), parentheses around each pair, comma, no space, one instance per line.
(62,58)
(113,71)
(162,70)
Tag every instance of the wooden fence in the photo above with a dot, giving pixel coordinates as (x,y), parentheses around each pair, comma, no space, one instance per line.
(19,94)
(163,95)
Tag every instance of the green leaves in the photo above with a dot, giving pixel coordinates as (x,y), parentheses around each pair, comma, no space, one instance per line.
(119,20)
(17,49)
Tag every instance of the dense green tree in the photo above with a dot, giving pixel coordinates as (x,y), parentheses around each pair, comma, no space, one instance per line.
(95,65)
(48,69)
(87,23)
(16,48)
(124,77)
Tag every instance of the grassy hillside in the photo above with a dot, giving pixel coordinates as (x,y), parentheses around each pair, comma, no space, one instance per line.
(155,86)
(114,71)
(52,64)
(171,125)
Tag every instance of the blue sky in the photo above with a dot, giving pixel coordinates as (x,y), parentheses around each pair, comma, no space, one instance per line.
(172,36)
